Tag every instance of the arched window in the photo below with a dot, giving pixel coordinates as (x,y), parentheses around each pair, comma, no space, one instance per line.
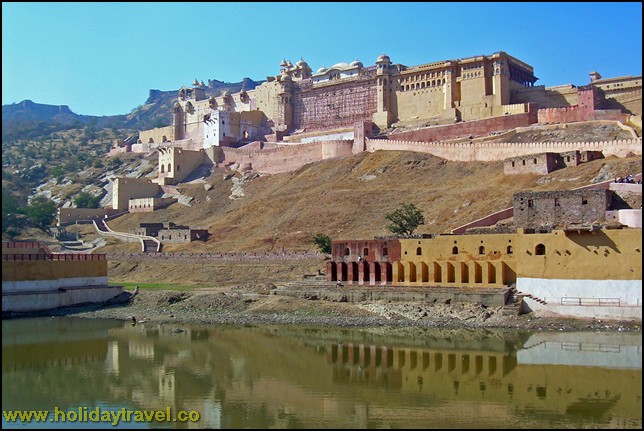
(419,251)
(385,252)
(481,250)
(540,250)
(454,250)
(169,168)
(365,252)
(162,167)
(347,252)
(510,250)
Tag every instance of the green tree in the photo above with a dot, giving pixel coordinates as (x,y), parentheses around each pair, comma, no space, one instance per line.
(323,242)
(87,200)
(41,211)
(405,219)
(9,210)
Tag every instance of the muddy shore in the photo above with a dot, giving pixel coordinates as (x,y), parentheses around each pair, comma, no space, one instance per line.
(249,306)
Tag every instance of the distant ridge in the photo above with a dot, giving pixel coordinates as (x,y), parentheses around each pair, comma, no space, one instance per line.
(28,119)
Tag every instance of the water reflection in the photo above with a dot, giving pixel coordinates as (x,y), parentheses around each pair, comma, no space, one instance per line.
(296,377)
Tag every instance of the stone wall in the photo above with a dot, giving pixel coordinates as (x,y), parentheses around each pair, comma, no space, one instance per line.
(125,189)
(157,135)
(491,151)
(469,128)
(330,107)
(73,215)
(286,158)
(535,210)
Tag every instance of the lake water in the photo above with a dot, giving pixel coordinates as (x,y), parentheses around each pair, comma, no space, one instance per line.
(88,372)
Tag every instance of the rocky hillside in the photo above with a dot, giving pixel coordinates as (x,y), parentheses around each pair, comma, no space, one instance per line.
(348,198)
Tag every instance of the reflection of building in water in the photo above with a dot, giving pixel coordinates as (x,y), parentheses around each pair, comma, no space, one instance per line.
(288,377)
(551,376)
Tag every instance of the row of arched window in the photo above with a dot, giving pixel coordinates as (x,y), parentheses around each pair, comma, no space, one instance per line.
(162,167)
(539,250)
(421,85)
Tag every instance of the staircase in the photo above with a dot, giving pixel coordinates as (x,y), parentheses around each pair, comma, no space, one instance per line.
(148,244)
(512,305)
(318,281)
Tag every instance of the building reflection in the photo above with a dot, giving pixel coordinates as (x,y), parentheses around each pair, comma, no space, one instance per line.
(285,377)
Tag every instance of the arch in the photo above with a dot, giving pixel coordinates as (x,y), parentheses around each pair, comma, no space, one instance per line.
(481,250)
(245,135)
(540,250)
(169,168)
(437,273)
(366,272)
(385,251)
(365,251)
(347,252)
(150,141)
(454,250)
(162,168)
(377,272)
(510,249)
(419,251)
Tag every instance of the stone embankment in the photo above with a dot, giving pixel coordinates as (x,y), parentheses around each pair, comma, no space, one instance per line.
(255,305)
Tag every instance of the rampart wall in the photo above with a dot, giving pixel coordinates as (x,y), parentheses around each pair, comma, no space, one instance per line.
(492,151)
(52,270)
(474,128)
(72,215)
(157,135)
(287,158)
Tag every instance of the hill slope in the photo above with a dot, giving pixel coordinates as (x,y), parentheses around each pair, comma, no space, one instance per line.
(348,198)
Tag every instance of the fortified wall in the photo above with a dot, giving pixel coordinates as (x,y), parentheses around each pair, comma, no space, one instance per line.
(350,102)
(488,151)
(286,158)
(474,128)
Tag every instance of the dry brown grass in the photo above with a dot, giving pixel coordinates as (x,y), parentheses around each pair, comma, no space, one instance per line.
(338,198)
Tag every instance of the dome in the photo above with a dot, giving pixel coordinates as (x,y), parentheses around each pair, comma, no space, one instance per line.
(301,63)
(383,57)
(340,66)
(322,69)
(356,63)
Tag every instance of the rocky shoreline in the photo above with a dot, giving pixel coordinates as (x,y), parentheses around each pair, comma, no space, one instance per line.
(257,306)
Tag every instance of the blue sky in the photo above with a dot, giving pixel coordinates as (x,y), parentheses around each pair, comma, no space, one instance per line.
(103,58)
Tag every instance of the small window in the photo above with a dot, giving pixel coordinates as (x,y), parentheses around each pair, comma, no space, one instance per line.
(455,250)
(540,250)
(365,252)
(347,252)
(584,201)
(557,202)
(510,250)
(530,203)
(385,252)
(535,161)
(419,251)
(481,250)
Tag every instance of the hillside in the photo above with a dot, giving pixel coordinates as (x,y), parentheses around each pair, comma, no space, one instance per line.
(348,198)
